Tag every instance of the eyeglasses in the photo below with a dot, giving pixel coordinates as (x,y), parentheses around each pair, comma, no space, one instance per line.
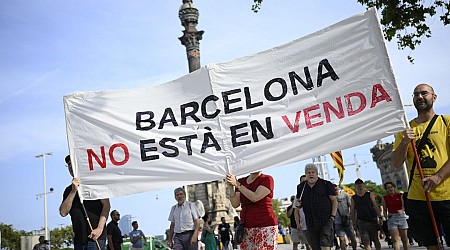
(422,93)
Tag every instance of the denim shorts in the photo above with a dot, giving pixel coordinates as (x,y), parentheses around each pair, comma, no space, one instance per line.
(397,221)
(342,231)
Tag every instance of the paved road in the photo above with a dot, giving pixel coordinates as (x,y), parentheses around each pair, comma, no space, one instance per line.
(384,246)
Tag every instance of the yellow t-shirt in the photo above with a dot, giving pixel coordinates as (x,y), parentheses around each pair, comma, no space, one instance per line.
(435,153)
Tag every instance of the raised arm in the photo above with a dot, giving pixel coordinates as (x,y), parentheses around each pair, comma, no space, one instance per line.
(261,192)
(66,205)
(399,154)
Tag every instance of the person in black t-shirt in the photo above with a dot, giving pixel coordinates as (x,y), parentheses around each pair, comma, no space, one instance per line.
(318,198)
(97,211)
(224,233)
(366,215)
(113,232)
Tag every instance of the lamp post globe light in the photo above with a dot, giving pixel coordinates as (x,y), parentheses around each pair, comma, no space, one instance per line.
(45,194)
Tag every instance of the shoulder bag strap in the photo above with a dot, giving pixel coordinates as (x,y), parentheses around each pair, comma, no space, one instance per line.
(420,146)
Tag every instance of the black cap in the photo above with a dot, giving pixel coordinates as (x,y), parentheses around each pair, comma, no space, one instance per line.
(359,181)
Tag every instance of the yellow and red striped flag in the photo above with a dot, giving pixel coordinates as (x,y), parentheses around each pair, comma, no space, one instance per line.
(339,163)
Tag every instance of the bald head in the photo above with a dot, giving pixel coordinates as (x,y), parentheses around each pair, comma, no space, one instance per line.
(422,86)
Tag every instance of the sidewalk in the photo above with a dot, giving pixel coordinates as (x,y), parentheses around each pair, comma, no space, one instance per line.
(384,246)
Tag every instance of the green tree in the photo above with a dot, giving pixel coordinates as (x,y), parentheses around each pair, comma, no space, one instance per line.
(281,215)
(11,237)
(372,187)
(61,238)
(405,20)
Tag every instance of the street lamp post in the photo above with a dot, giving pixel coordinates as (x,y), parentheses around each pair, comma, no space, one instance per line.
(45,194)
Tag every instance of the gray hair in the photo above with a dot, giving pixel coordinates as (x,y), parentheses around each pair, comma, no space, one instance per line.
(311,166)
(178,190)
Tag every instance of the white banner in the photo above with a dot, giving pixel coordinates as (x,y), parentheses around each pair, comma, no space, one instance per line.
(328,91)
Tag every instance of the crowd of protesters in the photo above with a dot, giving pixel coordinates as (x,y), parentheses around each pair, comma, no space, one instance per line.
(358,220)
(421,214)
(322,215)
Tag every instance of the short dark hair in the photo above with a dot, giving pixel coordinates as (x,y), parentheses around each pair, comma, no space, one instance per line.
(179,189)
(134,222)
(388,182)
(67,159)
(359,181)
(112,212)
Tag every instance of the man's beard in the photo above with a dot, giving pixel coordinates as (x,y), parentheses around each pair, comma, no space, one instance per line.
(424,106)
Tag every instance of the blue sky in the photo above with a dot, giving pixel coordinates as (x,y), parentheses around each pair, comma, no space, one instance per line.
(49,49)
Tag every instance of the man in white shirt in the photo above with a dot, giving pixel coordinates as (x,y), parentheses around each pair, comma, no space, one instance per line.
(184,223)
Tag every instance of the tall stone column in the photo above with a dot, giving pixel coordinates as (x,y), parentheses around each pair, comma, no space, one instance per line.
(210,197)
(188,15)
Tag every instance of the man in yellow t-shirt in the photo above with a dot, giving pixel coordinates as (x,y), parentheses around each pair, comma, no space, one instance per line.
(434,158)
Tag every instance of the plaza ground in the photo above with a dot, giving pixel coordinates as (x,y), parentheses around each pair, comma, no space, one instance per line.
(384,246)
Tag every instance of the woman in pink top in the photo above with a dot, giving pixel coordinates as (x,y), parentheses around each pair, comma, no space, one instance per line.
(395,212)
(254,194)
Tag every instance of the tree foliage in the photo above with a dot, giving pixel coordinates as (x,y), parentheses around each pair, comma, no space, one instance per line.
(281,215)
(405,20)
(372,187)
(61,238)
(11,237)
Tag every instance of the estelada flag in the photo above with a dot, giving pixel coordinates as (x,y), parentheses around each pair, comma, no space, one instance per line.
(339,163)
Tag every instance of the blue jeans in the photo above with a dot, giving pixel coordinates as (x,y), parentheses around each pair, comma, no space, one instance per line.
(225,244)
(90,245)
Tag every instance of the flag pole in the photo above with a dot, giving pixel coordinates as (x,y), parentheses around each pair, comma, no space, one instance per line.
(84,208)
(88,220)
(427,195)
